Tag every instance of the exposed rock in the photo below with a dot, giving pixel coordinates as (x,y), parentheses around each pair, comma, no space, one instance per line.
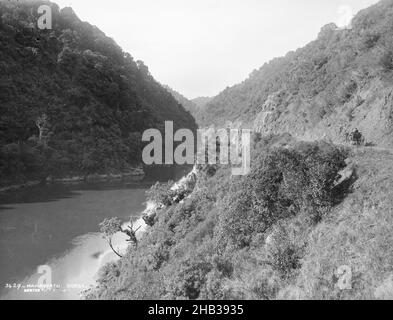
(345,175)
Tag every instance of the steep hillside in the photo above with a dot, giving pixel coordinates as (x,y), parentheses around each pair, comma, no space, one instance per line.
(338,82)
(311,221)
(194,106)
(201,102)
(186,103)
(71,101)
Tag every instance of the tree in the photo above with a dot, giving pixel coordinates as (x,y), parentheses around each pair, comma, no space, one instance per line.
(131,233)
(110,226)
(143,68)
(42,124)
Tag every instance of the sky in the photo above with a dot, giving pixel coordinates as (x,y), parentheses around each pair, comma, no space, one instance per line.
(200,47)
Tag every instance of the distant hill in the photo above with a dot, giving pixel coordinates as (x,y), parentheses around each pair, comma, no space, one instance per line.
(194,106)
(341,81)
(71,100)
(201,102)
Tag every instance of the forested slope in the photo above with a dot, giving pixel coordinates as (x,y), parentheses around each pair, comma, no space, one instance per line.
(338,82)
(194,106)
(186,103)
(91,100)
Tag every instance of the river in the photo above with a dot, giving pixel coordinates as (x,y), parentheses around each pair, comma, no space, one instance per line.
(56,227)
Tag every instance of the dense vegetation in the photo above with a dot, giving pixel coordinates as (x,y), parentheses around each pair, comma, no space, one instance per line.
(72,102)
(233,237)
(312,220)
(95,99)
(194,106)
(186,103)
(201,102)
(340,81)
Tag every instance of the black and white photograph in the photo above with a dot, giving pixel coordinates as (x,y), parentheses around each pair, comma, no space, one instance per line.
(171,151)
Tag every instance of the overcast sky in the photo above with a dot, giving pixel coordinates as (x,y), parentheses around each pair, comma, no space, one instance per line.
(199,47)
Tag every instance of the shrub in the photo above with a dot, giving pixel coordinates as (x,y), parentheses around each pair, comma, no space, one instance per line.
(161,194)
(386,61)
(283,183)
(284,254)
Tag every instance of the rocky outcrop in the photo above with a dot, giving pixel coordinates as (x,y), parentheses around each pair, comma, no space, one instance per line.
(370,109)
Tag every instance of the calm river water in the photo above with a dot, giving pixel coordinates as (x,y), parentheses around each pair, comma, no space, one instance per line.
(52,231)
(57,226)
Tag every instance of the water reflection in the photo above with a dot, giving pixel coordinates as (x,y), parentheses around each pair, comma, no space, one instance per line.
(57,225)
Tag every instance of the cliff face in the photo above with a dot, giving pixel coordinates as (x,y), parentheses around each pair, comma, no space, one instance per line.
(370,111)
(95,99)
(340,81)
